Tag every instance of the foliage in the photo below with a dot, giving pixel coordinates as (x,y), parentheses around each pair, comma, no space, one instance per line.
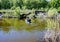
(55,3)
(5,4)
(52,12)
(58,8)
(17,11)
(19,3)
(29,4)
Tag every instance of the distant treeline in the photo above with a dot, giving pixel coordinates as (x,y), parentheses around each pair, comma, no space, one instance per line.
(29,4)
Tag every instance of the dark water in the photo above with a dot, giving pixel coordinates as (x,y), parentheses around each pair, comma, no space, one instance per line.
(15,30)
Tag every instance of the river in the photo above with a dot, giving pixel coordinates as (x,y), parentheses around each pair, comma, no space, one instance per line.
(15,30)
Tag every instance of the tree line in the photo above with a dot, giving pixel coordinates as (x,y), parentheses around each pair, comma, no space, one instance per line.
(29,4)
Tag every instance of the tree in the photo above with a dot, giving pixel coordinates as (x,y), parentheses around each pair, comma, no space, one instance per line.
(43,3)
(0,5)
(19,3)
(5,4)
(36,4)
(54,3)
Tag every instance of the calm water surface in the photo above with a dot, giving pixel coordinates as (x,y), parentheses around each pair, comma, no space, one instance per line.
(15,30)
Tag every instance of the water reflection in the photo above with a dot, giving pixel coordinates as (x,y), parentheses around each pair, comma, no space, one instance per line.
(14,30)
(20,24)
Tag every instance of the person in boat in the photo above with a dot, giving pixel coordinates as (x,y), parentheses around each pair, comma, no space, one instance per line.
(28,20)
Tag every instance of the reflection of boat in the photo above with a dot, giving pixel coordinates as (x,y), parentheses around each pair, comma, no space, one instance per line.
(27,20)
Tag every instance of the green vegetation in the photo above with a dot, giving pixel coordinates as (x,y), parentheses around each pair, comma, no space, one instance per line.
(21,5)
(52,12)
(17,7)
(29,4)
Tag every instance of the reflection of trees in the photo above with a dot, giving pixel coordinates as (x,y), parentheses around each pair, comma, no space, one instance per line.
(37,24)
(3,22)
(5,29)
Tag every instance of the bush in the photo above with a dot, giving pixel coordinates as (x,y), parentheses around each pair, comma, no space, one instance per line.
(52,12)
(58,8)
(17,11)
(13,7)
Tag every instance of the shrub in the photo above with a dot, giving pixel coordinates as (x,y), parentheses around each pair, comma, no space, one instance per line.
(17,11)
(52,12)
(58,8)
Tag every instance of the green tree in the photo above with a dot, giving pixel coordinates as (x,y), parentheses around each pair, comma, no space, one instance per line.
(0,5)
(5,4)
(19,3)
(36,4)
(54,3)
(43,3)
